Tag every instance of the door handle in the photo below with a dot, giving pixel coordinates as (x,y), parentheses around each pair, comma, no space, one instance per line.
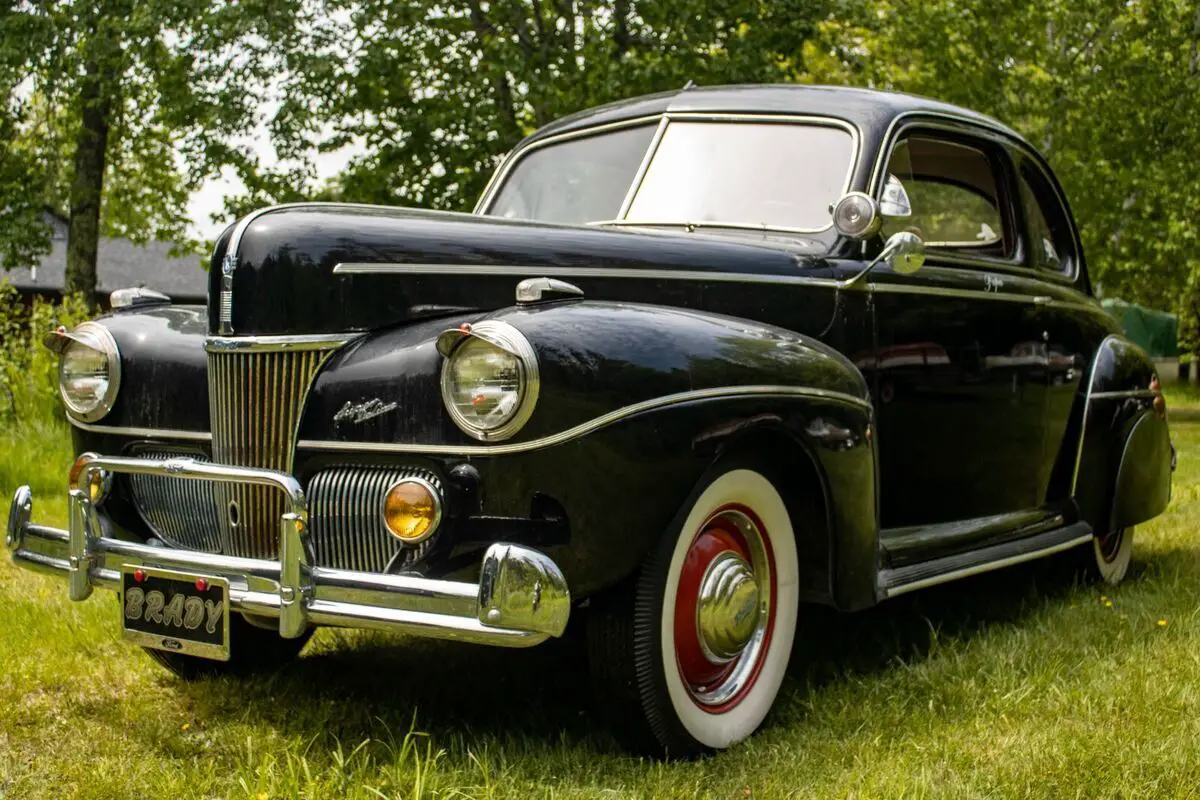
(1042,300)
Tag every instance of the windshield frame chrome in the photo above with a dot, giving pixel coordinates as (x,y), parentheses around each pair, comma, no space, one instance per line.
(664,119)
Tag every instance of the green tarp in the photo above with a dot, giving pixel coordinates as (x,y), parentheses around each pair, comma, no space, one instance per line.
(1154,331)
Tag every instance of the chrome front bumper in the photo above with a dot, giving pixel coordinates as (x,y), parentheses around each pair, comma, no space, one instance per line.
(521,598)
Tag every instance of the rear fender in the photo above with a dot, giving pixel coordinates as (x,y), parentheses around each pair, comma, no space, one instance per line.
(1123,473)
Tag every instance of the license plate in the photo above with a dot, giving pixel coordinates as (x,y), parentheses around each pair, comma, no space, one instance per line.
(176,612)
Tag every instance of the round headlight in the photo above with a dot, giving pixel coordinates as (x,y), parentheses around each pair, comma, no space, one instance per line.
(89,372)
(490,381)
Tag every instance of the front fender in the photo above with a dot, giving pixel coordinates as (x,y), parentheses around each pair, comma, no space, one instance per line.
(595,359)
(164,376)
(636,402)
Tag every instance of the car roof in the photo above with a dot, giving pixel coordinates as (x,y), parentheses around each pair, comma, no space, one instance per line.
(868,109)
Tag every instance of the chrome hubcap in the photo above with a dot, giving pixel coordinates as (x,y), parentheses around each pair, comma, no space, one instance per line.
(728,607)
(723,609)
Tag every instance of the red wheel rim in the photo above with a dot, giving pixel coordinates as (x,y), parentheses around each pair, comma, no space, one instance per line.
(724,608)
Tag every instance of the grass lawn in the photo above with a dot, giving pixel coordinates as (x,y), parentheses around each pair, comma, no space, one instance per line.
(1014,684)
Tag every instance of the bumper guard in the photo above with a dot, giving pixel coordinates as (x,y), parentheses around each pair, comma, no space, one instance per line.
(521,598)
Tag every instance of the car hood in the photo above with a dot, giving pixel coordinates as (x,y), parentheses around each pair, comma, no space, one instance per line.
(333,268)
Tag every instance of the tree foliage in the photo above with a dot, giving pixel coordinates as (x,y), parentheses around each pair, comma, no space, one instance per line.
(1109,90)
(116,109)
(433,93)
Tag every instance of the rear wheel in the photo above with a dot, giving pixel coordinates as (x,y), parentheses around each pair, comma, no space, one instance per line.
(252,650)
(690,659)
(1111,554)
(1106,558)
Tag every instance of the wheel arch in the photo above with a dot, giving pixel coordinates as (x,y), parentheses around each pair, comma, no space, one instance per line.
(803,485)
(830,494)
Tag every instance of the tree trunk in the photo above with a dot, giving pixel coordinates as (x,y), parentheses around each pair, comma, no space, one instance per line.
(87,185)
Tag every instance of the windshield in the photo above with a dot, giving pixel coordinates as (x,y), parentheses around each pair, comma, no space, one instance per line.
(773,175)
(577,181)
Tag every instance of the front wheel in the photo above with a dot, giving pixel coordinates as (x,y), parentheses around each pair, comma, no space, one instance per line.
(252,650)
(691,659)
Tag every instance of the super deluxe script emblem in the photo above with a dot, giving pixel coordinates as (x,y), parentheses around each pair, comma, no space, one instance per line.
(361,412)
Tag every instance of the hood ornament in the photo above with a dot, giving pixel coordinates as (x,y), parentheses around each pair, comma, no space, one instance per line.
(225,309)
(545,290)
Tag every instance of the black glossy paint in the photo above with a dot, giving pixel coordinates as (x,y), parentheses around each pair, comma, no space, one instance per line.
(977,373)
(593,358)
(1122,366)
(1143,486)
(285,284)
(164,374)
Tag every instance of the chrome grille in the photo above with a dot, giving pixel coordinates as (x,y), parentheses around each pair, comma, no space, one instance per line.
(255,401)
(182,512)
(346,518)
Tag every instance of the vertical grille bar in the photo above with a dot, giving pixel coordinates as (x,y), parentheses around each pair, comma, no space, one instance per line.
(256,400)
(346,518)
(182,512)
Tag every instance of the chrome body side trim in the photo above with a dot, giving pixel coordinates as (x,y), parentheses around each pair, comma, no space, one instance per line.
(521,598)
(589,426)
(977,569)
(149,433)
(1148,394)
(535,270)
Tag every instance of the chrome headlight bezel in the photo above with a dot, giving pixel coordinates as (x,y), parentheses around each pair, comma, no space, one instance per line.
(95,336)
(502,336)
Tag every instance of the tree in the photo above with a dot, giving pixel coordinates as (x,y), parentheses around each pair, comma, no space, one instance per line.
(436,92)
(140,101)
(1109,90)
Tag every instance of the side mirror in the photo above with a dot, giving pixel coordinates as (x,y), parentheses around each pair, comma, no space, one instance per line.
(904,252)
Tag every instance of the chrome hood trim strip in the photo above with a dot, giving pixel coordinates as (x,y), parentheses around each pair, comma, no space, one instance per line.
(148,433)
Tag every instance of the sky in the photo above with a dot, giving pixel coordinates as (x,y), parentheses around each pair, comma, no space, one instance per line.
(210,199)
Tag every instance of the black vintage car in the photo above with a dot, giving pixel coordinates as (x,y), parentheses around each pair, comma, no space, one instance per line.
(698,359)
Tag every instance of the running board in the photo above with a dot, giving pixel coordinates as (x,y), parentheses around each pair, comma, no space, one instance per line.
(893,582)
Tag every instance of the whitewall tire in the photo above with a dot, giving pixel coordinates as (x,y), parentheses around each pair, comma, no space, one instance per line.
(1112,554)
(710,629)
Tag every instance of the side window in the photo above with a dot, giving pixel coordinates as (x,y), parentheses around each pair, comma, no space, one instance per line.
(1049,231)
(954,192)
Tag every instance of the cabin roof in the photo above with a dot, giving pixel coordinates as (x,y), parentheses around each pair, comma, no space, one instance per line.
(865,108)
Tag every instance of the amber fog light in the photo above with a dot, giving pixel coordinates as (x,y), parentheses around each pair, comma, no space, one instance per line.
(99,481)
(412,510)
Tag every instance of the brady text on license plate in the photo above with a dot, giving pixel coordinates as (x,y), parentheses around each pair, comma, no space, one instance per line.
(176,612)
